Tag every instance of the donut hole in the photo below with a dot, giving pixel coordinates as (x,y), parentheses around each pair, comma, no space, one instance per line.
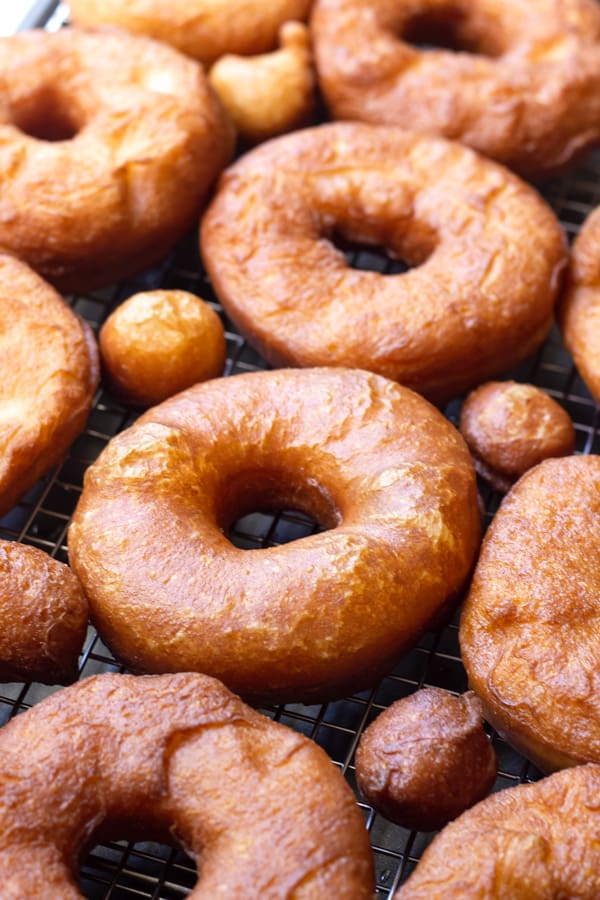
(47,116)
(453,28)
(133,866)
(388,255)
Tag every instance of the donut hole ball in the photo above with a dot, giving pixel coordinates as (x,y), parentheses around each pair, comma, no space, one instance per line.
(426,759)
(160,342)
(511,427)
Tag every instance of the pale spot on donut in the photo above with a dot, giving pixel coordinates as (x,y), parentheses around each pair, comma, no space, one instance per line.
(161,81)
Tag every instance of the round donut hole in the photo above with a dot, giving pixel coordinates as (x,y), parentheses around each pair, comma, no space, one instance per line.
(133,866)
(451,28)
(46,118)
(368,257)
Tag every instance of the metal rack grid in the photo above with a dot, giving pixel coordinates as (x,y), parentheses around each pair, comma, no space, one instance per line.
(123,871)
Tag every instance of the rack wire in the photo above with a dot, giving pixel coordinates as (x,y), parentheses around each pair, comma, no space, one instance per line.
(118,870)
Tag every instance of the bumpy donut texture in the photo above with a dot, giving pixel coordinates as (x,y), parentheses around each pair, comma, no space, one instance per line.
(108,146)
(44,616)
(426,758)
(374,463)
(525,90)
(488,254)
(160,342)
(175,757)
(511,427)
(528,630)
(579,310)
(531,842)
(204,29)
(48,374)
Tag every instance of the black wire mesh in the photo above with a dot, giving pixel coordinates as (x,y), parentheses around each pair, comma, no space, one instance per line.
(122,871)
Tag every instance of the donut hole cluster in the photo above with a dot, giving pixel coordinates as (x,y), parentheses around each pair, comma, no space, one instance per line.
(451,26)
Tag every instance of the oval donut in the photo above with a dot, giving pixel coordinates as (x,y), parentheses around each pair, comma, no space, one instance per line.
(374,463)
(526,92)
(531,842)
(49,371)
(175,757)
(488,254)
(109,144)
(528,629)
(204,29)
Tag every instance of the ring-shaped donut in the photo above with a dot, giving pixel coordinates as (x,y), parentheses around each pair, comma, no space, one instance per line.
(109,144)
(525,90)
(376,464)
(488,254)
(175,757)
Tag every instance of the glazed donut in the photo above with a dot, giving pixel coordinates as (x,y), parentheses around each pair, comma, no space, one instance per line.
(528,629)
(48,374)
(426,758)
(579,310)
(159,342)
(488,253)
(44,616)
(526,92)
(530,842)
(204,29)
(108,146)
(375,464)
(175,756)
(511,427)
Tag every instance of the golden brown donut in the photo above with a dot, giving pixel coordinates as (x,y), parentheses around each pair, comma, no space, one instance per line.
(426,758)
(175,758)
(374,463)
(44,616)
(528,630)
(48,374)
(579,309)
(159,342)
(204,29)
(488,254)
(109,144)
(523,88)
(272,93)
(511,427)
(530,842)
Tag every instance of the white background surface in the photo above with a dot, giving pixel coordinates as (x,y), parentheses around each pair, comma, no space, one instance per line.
(11,13)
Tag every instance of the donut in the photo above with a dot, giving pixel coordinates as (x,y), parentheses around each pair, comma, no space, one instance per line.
(426,759)
(175,757)
(487,253)
(204,29)
(537,841)
(528,632)
(511,427)
(159,342)
(520,83)
(272,93)
(109,144)
(579,309)
(44,616)
(48,374)
(373,463)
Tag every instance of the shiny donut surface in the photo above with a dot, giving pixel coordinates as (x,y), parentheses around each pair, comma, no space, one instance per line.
(375,464)
(487,254)
(108,146)
(522,88)
(175,757)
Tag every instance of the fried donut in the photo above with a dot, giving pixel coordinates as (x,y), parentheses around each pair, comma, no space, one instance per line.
(530,842)
(159,342)
(579,310)
(511,427)
(426,758)
(272,93)
(372,462)
(204,29)
(527,92)
(48,374)
(44,616)
(488,252)
(108,146)
(528,630)
(175,756)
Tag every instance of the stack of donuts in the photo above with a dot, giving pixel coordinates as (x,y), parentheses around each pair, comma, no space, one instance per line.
(275,145)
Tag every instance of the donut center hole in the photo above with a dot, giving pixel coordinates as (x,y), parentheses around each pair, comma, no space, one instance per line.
(392,253)
(451,28)
(46,117)
(368,257)
(142,867)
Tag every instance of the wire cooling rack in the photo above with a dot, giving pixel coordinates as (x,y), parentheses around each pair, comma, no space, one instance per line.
(123,871)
